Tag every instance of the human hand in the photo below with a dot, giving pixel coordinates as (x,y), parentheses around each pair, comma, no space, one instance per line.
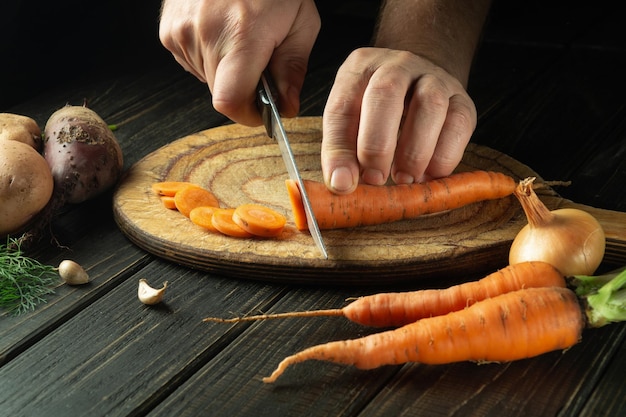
(228,43)
(393,113)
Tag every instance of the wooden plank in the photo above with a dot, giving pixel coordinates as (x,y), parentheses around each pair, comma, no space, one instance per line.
(464,388)
(109,259)
(607,395)
(147,109)
(312,389)
(120,356)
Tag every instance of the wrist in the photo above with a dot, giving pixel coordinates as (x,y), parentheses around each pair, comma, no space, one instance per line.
(446,32)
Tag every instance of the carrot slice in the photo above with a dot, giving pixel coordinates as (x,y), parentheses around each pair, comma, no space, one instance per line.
(202,217)
(259,220)
(168,202)
(193,196)
(295,198)
(170,188)
(222,220)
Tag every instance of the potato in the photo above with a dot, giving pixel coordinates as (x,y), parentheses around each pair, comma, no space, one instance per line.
(82,152)
(20,128)
(26,185)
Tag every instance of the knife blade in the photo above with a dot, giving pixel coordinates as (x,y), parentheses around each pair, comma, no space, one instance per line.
(274,127)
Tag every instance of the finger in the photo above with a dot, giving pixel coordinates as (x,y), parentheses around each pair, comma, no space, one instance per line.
(424,119)
(340,120)
(194,64)
(381,115)
(179,41)
(237,75)
(455,135)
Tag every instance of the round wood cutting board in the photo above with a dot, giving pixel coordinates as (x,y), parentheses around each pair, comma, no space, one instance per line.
(242,165)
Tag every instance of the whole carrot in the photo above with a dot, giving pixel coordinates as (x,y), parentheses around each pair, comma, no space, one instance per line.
(511,326)
(372,204)
(400,308)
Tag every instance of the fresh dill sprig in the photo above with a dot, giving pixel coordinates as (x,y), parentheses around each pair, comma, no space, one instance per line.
(24,282)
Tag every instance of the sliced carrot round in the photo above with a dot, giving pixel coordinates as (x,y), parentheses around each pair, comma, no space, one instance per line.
(202,217)
(193,196)
(222,220)
(297,206)
(259,220)
(170,188)
(168,202)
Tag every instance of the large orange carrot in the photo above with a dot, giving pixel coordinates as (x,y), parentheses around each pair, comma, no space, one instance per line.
(511,326)
(372,204)
(400,308)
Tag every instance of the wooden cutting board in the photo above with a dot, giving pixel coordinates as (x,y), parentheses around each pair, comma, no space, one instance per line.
(242,165)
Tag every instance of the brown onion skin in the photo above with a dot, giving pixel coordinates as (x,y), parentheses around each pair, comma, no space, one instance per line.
(83,153)
(573,241)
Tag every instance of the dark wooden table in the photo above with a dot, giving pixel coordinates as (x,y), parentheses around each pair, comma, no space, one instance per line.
(549,85)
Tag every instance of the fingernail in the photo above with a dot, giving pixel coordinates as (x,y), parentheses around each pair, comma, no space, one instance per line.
(404,178)
(341,179)
(373,176)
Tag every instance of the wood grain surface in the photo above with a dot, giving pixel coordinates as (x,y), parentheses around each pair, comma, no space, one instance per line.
(242,165)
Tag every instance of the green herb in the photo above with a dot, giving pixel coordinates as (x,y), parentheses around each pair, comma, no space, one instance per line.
(605,296)
(24,282)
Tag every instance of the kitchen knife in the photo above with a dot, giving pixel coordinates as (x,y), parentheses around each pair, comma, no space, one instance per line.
(274,127)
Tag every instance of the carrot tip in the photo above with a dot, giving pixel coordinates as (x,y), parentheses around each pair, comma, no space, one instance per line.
(274,376)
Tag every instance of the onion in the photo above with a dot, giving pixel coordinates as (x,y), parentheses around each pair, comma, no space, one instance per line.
(569,239)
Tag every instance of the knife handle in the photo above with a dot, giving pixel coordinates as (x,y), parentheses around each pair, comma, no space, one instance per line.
(263,102)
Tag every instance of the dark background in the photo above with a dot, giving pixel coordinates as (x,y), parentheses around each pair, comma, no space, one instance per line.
(48,43)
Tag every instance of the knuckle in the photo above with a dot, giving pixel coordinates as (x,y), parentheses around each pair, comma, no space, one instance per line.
(461,119)
(373,150)
(431,91)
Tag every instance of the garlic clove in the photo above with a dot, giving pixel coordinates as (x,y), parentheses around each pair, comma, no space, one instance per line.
(72,273)
(149,295)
